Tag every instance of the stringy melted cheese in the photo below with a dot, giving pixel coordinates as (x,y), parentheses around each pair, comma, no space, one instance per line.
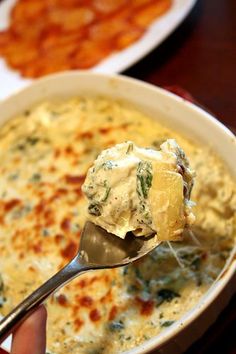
(45,154)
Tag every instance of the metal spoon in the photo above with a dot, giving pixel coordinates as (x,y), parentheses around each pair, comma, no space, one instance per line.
(98,250)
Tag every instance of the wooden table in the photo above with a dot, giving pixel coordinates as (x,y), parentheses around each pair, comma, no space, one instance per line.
(200,57)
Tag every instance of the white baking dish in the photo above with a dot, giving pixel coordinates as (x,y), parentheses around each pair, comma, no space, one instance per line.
(179,115)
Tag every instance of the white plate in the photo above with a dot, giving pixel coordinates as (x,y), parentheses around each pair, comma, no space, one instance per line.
(181,116)
(11,81)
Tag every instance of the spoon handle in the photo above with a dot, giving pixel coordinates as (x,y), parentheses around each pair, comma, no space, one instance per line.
(27,306)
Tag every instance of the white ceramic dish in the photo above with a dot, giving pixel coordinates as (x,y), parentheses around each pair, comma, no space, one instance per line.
(10,80)
(181,116)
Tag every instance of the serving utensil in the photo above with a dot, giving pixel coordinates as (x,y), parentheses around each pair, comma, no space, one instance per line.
(98,249)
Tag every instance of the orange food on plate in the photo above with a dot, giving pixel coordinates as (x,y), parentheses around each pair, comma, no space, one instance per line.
(46,36)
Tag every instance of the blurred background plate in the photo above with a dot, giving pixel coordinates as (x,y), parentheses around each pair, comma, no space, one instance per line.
(11,80)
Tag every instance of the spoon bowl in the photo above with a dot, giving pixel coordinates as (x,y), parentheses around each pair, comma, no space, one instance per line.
(98,250)
(101,248)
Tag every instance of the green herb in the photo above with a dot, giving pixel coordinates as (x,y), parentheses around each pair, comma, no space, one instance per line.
(95,209)
(75,227)
(145,337)
(144,178)
(1,284)
(28,141)
(45,232)
(90,192)
(198,278)
(13,176)
(166,295)
(4,194)
(195,265)
(116,326)
(128,338)
(106,194)
(167,323)
(192,258)
(2,297)
(130,148)
(113,282)
(2,300)
(96,350)
(20,146)
(21,211)
(108,165)
(138,273)
(132,289)
(32,140)
(125,270)
(36,177)
(143,284)
(145,295)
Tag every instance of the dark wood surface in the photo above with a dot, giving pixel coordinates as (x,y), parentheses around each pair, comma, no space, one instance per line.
(200,57)
(221,336)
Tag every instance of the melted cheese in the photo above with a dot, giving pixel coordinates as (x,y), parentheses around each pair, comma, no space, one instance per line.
(140,190)
(45,154)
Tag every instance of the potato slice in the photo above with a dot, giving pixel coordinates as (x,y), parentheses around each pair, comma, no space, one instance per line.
(166,201)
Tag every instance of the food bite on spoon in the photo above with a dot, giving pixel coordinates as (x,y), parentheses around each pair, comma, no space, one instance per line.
(141,190)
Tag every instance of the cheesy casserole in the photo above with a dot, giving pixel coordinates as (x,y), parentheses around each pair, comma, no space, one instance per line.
(45,153)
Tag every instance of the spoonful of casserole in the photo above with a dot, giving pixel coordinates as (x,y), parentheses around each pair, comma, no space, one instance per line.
(141,190)
(137,198)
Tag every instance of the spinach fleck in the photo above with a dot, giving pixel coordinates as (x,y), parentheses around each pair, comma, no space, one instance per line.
(192,258)
(75,227)
(115,326)
(129,148)
(125,270)
(166,323)
(2,297)
(144,178)
(32,140)
(107,191)
(28,141)
(36,177)
(108,165)
(2,300)
(13,176)
(99,350)
(1,284)
(45,232)
(21,211)
(195,265)
(166,295)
